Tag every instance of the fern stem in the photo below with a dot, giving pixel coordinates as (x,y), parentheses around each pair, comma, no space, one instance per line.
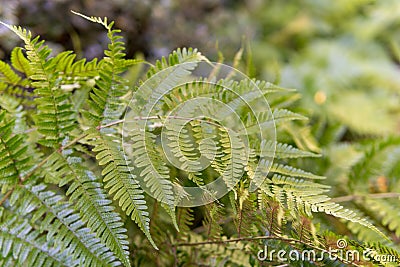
(200,118)
(29,174)
(109,124)
(6,196)
(49,156)
(74,141)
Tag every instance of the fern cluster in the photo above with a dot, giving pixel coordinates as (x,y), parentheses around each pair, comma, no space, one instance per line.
(70,190)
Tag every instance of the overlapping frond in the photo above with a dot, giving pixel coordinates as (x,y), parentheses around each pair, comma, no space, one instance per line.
(308,197)
(55,118)
(120,181)
(213,213)
(23,245)
(62,224)
(15,84)
(105,101)
(184,220)
(304,229)
(291,171)
(153,170)
(244,206)
(14,161)
(88,196)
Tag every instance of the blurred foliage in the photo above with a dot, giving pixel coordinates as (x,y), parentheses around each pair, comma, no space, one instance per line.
(341,55)
(151,27)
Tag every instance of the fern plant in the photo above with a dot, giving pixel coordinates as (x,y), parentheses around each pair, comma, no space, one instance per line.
(72,195)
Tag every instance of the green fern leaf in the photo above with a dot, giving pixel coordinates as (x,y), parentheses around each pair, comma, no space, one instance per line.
(7,75)
(120,181)
(13,84)
(23,245)
(212,220)
(91,200)
(273,215)
(269,148)
(153,170)
(164,76)
(54,118)
(291,171)
(20,62)
(105,101)
(14,161)
(184,219)
(62,224)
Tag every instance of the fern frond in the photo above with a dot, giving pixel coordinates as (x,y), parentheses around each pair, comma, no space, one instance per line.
(72,72)
(101,21)
(14,161)
(247,91)
(307,198)
(20,62)
(301,135)
(120,181)
(105,101)
(7,75)
(79,69)
(291,171)
(184,148)
(269,148)
(22,244)
(298,183)
(91,201)
(233,157)
(245,218)
(364,234)
(54,118)
(15,110)
(152,169)
(62,224)
(164,76)
(388,213)
(13,84)
(304,229)
(378,159)
(212,220)
(184,219)
(272,215)
(267,119)
(324,205)
(178,56)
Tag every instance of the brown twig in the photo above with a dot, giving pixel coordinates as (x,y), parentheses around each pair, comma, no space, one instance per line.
(6,196)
